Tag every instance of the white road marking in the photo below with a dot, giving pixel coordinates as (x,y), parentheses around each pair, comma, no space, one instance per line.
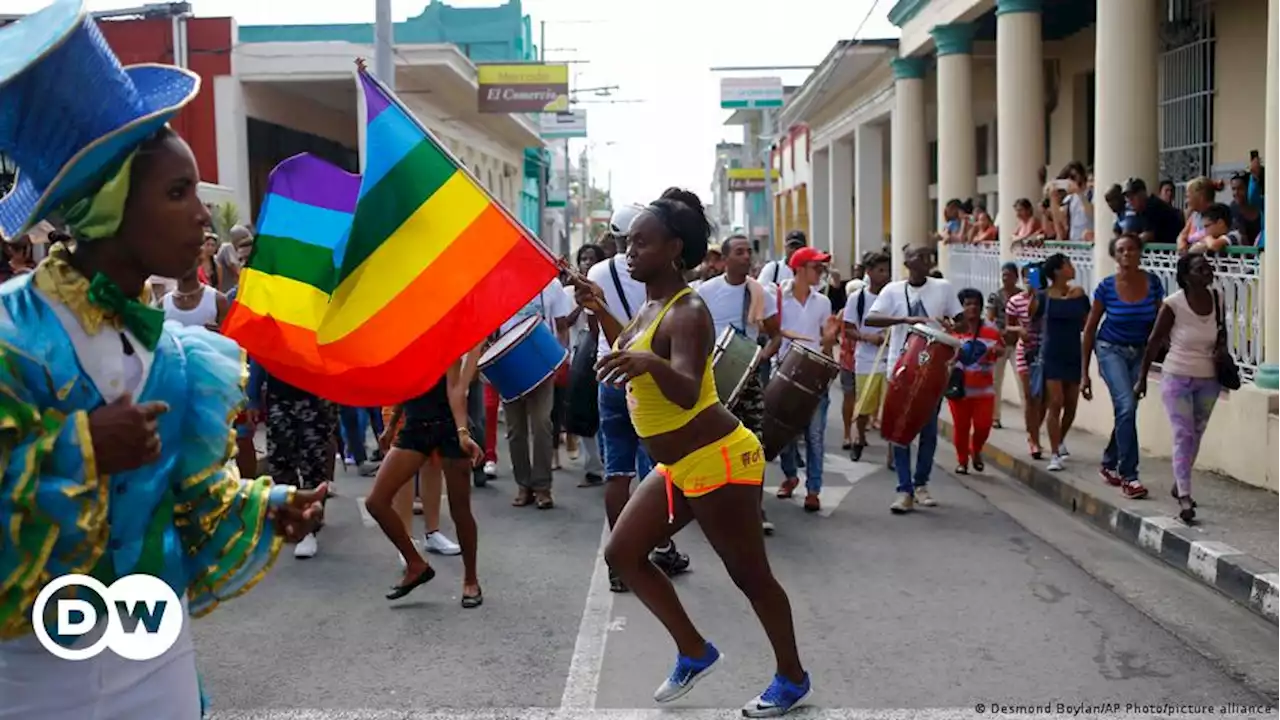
(365,517)
(961,713)
(833,495)
(583,680)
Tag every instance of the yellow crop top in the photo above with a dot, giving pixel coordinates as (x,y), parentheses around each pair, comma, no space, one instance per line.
(651,412)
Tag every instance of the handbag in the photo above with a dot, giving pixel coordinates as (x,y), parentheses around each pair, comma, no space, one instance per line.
(1228,371)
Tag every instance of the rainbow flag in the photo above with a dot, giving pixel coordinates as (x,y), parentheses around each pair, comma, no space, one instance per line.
(364,289)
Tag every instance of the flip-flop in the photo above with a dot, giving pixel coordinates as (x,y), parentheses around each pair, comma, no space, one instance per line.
(473,601)
(399,591)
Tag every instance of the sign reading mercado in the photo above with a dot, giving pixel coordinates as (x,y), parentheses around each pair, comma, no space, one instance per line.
(750,93)
(525,88)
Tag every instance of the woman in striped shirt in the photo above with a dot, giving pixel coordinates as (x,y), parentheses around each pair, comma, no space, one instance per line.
(1019,324)
(1125,306)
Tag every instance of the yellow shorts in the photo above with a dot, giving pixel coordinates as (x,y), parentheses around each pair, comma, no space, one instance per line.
(735,459)
(870,393)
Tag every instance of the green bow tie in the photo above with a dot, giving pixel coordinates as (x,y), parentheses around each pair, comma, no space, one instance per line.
(146,323)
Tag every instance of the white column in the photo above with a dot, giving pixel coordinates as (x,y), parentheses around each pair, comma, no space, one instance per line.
(868,187)
(909,222)
(957,147)
(231,137)
(840,203)
(1126,37)
(1019,107)
(1271,258)
(819,201)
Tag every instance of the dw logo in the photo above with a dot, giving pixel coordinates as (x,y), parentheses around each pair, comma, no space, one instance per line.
(144,617)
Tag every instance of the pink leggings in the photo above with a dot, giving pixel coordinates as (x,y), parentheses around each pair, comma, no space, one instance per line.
(1189,402)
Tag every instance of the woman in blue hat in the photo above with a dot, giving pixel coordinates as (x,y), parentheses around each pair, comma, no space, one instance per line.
(115,430)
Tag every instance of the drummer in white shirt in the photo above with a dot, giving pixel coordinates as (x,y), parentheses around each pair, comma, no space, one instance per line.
(868,377)
(919,299)
(529,418)
(738,301)
(806,320)
(776,272)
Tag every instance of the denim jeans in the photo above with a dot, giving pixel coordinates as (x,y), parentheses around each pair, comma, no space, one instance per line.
(1119,366)
(928,440)
(355,425)
(814,438)
(624,456)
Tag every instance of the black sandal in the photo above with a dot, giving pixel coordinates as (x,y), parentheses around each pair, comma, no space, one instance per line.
(855,453)
(399,591)
(473,601)
(1174,492)
(962,469)
(978,464)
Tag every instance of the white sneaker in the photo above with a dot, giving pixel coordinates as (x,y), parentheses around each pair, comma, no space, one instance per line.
(1063,451)
(306,547)
(437,543)
(491,470)
(1055,463)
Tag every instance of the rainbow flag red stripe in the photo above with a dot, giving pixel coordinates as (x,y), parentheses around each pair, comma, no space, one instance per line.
(363,289)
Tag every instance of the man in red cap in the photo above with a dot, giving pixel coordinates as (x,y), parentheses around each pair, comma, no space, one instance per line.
(806,319)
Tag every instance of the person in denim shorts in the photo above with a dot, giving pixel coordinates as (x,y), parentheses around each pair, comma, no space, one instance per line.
(624,456)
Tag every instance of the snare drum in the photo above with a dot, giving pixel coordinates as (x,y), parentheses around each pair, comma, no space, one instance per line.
(522,359)
(734,359)
(792,397)
(917,383)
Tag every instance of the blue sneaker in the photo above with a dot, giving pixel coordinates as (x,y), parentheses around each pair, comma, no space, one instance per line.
(686,674)
(781,697)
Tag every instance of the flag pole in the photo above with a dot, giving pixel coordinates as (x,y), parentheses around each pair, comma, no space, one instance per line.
(462,166)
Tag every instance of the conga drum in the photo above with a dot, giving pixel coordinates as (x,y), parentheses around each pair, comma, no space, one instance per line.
(802,379)
(917,383)
(733,360)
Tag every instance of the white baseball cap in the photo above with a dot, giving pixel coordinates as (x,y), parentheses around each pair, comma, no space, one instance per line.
(620,223)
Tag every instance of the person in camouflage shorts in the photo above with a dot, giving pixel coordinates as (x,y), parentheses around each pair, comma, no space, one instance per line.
(300,449)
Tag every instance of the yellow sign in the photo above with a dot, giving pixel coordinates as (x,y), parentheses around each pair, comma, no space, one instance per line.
(526,88)
(749,174)
(524,74)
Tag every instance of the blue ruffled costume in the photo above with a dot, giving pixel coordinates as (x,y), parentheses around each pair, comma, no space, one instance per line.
(187,518)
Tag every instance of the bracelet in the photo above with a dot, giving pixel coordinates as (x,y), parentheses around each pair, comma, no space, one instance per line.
(464,431)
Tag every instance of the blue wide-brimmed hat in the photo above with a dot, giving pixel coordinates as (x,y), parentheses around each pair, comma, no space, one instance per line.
(69,112)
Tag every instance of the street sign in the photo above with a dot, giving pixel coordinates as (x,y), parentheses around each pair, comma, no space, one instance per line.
(747,180)
(572,124)
(524,88)
(750,93)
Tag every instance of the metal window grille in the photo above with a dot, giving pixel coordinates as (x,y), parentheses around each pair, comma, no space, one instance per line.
(1186,92)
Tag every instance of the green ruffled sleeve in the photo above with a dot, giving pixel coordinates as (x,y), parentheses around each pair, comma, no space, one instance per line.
(223,521)
(53,504)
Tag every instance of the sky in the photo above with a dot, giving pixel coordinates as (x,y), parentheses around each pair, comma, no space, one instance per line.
(659,54)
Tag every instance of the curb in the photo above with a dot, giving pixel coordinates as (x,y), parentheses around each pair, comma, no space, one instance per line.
(1246,579)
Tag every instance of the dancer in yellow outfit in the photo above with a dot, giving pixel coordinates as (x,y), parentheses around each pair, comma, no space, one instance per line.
(710,467)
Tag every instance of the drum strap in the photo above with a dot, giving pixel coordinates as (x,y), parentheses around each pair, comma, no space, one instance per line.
(746,306)
(617,283)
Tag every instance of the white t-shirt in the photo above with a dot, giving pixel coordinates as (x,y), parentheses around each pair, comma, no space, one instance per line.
(864,355)
(938,298)
(633,289)
(551,304)
(1078,221)
(775,272)
(725,302)
(805,320)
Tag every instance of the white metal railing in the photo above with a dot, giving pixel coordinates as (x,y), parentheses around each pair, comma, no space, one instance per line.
(974,266)
(1238,278)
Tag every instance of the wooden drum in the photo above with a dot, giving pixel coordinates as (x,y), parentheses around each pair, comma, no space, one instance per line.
(917,383)
(802,379)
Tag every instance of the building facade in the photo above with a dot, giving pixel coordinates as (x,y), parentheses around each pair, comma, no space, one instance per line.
(981,96)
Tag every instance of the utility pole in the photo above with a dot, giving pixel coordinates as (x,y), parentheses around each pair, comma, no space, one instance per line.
(384,59)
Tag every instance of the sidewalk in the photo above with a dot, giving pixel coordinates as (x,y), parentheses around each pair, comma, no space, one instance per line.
(1232,547)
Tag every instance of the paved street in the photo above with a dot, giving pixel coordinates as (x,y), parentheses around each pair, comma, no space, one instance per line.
(935,611)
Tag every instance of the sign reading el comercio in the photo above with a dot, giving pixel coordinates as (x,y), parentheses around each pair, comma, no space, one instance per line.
(525,88)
